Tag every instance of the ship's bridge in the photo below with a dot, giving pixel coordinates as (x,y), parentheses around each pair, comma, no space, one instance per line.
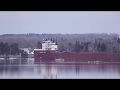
(49,45)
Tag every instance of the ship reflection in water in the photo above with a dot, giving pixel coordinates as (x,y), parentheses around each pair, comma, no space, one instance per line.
(56,71)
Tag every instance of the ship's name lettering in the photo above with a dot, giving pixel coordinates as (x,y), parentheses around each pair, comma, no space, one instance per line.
(42,52)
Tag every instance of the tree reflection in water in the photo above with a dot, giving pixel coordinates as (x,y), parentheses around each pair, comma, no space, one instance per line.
(54,71)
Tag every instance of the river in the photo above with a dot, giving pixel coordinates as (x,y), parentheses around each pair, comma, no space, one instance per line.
(58,71)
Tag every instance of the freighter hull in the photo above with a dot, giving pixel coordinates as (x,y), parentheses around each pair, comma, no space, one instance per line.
(47,55)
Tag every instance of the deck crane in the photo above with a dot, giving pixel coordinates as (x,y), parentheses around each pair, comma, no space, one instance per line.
(33,45)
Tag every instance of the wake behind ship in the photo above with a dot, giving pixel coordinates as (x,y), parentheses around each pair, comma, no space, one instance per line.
(49,52)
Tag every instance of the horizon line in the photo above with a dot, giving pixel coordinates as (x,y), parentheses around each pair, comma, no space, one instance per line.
(60,33)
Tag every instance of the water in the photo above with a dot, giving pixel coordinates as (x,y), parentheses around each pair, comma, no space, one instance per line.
(59,71)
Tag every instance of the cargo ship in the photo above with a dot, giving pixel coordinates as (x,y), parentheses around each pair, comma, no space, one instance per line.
(50,53)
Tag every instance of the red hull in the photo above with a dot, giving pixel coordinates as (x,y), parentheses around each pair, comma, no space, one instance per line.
(74,57)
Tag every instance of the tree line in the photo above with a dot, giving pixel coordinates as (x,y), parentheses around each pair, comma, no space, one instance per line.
(98,45)
(12,49)
(91,42)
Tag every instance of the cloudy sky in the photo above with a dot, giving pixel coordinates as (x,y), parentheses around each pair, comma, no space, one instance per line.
(16,22)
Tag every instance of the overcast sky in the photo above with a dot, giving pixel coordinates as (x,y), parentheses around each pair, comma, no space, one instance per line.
(59,22)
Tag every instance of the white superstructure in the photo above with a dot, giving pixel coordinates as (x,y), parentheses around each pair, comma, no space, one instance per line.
(49,45)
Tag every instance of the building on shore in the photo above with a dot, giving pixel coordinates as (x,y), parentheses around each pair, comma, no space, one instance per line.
(28,50)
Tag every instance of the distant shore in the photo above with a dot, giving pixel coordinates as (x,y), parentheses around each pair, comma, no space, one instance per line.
(16,56)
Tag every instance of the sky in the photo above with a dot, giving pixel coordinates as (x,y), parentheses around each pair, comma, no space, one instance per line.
(71,22)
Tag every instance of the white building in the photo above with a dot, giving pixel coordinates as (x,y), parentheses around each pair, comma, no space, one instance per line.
(27,50)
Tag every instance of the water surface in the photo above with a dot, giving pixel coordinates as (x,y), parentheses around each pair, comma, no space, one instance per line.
(59,71)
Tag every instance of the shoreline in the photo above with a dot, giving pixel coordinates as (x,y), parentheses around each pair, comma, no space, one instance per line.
(16,56)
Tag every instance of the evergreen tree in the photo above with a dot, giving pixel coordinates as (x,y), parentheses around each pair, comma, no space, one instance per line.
(103,47)
(99,47)
(77,46)
(86,47)
(6,49)
(1,48)
(14,49)
(39,45)
(69,46)
(62,48)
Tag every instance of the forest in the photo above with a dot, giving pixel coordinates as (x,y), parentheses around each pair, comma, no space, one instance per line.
(13,49)
(88,42)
